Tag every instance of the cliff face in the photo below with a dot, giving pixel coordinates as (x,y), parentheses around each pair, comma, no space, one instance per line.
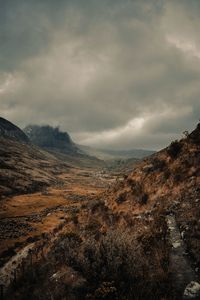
(50,138)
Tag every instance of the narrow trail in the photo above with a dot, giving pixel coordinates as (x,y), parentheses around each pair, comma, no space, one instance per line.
(6,272)
(182,272)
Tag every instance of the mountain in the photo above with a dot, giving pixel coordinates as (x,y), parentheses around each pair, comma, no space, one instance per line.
(107,154)
(24,167)
(61,145)
(9,130)
(51,138)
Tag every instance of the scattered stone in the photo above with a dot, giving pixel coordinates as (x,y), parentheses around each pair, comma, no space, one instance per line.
(148,168)
(183,235)
(176,245)
(192,291)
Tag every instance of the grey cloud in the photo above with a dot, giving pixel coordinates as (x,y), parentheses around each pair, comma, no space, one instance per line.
(93,66)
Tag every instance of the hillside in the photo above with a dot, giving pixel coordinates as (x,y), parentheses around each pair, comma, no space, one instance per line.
(24,167)
(11,131)
(168,182)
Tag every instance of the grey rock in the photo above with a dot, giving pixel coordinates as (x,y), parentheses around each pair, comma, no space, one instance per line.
(192,291)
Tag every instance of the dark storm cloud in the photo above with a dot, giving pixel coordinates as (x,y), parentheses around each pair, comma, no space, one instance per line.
(113,73)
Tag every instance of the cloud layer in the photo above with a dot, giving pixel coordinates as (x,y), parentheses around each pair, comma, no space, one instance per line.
(115,74)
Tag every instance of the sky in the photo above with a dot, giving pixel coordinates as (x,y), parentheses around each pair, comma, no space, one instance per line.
(113,74)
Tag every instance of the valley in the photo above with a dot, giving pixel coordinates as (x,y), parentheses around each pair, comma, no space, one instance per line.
(99,150)
(77,227)
(30,215)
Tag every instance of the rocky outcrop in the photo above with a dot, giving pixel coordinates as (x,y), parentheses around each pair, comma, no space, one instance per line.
(192,291)
(50,138)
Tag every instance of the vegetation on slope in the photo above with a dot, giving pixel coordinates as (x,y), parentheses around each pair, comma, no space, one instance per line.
(118,246)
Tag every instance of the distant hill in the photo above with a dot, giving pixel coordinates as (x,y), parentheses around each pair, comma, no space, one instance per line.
(107,154)
(9,130)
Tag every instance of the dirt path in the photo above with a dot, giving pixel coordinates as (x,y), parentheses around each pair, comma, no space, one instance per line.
(6,272)
(182,272)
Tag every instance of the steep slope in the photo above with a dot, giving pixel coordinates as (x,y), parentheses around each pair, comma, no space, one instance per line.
(51,138)
(9,130)
(24,167)
(168,181)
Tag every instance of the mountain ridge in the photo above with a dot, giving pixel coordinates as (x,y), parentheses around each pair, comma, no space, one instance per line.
(9,130)
(108,154)
(49,137)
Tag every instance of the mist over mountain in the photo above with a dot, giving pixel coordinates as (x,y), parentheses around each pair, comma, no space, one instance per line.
(107,154)
(50,138)
(54,140)
(60,144)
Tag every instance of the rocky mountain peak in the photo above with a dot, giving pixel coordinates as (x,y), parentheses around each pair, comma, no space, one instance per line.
(50,138)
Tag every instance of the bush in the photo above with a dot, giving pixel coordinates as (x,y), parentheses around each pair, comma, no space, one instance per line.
(114,267)
(158,164)
(174,149)
(144,199)
(121,198)
(106,291)
(166,174)
(116,258)
(95,204)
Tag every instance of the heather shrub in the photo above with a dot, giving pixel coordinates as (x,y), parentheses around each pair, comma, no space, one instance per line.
(174,149)
(166,174)
(158,164)
(113,266)
(121,198)
(144,199)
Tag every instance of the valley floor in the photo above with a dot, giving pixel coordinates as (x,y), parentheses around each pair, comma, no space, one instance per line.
(26,217)
(70,242)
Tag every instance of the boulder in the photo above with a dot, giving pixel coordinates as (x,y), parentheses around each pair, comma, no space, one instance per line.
(192,291)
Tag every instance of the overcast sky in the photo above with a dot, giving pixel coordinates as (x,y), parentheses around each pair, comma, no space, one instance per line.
(113,73)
